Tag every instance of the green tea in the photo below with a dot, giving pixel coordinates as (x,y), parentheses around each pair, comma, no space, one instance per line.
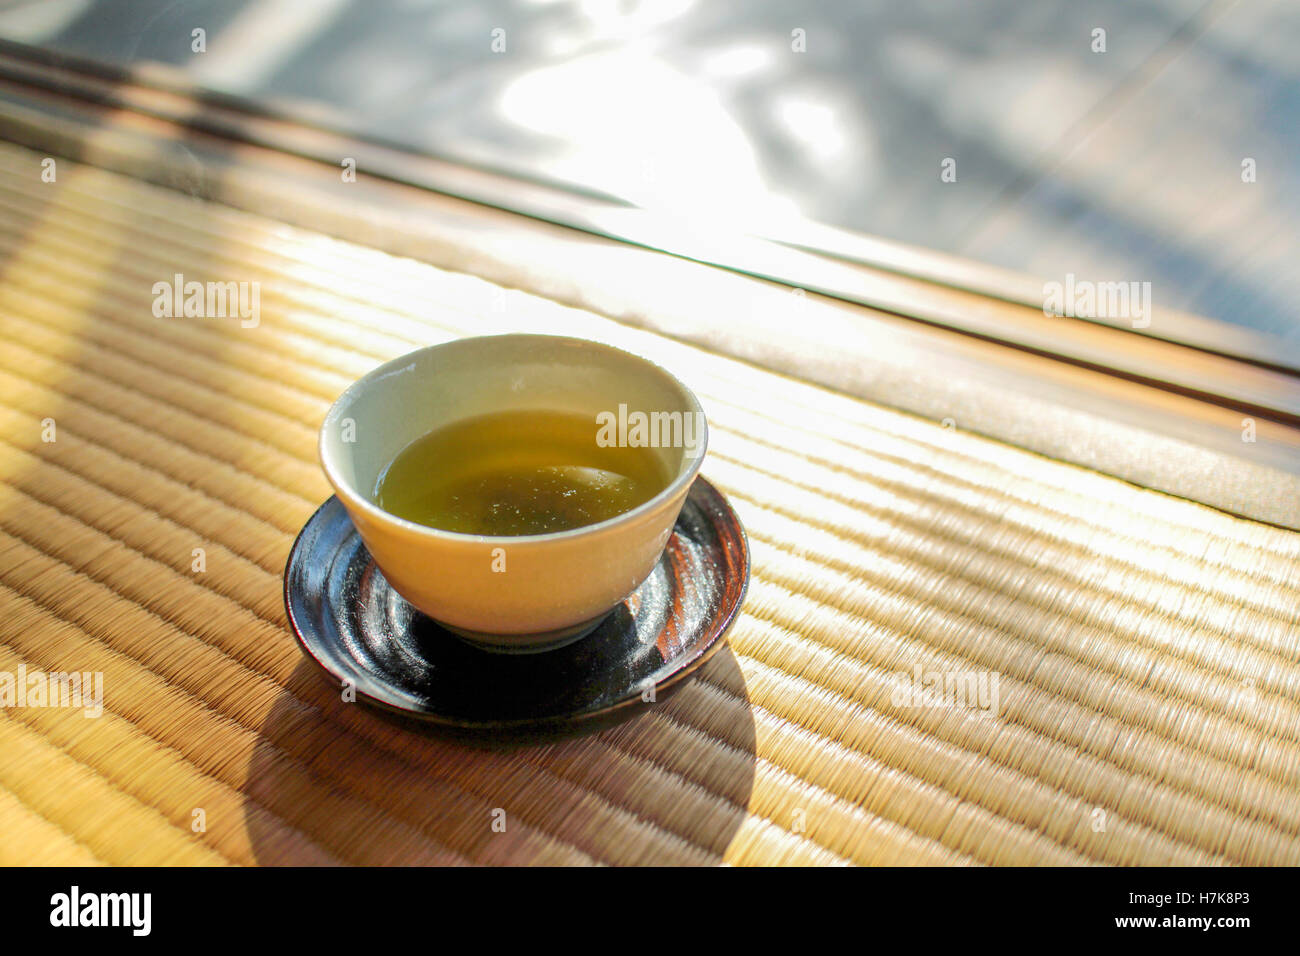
(515,473)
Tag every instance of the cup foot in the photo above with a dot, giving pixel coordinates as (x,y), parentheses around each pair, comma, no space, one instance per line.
(535,643)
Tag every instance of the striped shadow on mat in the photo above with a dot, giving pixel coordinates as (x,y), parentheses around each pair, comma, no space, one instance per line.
(1138,654)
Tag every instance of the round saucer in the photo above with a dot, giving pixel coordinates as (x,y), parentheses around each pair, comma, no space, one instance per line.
(365,636)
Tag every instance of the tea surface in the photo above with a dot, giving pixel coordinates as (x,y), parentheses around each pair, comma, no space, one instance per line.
(517,473)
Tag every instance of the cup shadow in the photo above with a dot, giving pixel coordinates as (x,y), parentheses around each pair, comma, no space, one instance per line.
(332,782)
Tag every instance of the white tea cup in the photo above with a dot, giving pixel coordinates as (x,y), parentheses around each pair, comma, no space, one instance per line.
(518,593)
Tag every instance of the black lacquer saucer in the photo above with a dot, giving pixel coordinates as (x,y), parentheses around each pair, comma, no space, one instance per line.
(359,630)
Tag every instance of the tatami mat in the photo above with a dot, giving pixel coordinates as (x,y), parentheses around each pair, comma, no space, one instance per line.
(1145,649)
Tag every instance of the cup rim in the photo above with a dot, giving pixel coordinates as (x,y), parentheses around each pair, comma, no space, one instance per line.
(353,498)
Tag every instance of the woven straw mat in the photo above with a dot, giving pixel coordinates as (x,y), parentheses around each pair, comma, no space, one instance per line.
(1144,648)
